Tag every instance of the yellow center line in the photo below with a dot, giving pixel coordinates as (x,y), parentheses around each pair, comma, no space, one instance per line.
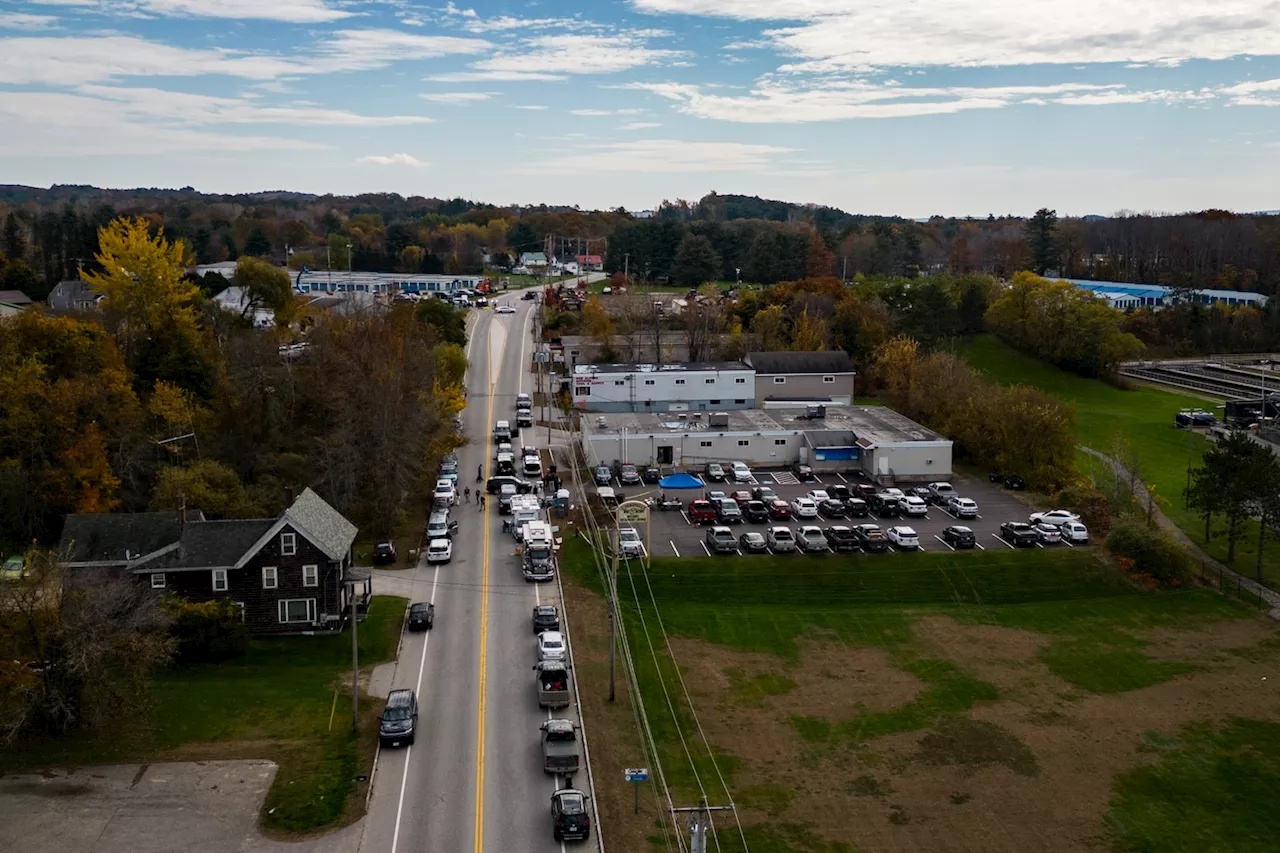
(484,629)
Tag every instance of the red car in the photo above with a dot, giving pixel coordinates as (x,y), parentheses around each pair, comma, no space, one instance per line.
(702,511)
(779,510)
(742,496)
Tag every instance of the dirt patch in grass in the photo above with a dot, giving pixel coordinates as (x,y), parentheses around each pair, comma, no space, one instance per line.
(1208,643)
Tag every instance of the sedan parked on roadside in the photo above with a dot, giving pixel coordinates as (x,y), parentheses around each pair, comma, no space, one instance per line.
(958,536)
(545,618)
(904,538)
(551,646)
(1054,517)
(752,543)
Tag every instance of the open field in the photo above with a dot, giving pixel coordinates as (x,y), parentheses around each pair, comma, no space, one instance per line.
(993,701)
(276,703)
(1144,416)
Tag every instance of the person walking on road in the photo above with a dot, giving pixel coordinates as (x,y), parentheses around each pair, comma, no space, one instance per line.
(480,503)
(466,495)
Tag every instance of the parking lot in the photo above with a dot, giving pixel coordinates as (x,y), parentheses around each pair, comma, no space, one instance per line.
(673,534)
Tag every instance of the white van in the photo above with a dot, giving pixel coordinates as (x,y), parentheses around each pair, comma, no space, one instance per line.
(532,466)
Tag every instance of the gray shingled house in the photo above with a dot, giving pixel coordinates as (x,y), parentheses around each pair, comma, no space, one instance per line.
(287,574)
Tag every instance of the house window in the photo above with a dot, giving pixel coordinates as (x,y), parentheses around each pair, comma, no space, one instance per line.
(779,442)
(741,380)
(829,380)
(704,444)
(710,381)
(583,390)
(779,380)
(679,381)
(270,577)
(219,580)
(157,581)
(715,402)
(619,382)
(648,382)
(310,575)
(742,402)
(744,442)
(297,610)
(288,544)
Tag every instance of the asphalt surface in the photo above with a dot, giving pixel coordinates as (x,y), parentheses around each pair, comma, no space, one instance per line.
(473,781)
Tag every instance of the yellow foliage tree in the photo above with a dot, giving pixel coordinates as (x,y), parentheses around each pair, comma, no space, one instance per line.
(809,334)
(88,473)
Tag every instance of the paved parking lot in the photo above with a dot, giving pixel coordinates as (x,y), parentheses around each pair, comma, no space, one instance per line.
(673,534)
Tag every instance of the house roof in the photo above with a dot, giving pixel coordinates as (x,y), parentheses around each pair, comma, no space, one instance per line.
(15,297)
(206,545)
(117,538)
(826,361)
(533,258)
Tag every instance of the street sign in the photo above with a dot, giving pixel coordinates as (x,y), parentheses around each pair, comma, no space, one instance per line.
(633,512)
(636,774)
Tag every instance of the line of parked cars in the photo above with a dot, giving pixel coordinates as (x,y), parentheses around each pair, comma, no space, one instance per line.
(570,817)
(1045,528)
(811,539)
(833,502)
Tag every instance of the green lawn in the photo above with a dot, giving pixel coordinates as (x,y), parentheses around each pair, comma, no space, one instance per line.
(276,702)
(1144,418)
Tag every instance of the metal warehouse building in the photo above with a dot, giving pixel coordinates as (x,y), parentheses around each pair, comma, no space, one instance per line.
(709,386)
(870,439)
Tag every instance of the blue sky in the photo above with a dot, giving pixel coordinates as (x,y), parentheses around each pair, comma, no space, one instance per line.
(909,107)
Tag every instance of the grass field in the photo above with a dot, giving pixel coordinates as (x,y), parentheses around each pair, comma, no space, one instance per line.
(840,695)
(1144,418)
(275,702)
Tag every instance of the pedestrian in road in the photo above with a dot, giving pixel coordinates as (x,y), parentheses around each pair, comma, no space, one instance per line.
(480,502)
(466,495)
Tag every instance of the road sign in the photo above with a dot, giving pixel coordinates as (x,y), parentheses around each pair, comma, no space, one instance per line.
(636,774)
(633,512)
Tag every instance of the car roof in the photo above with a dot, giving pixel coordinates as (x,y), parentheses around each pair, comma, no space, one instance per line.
(551,635)
(400,696)
(545,608)
(960,527)
(420,605)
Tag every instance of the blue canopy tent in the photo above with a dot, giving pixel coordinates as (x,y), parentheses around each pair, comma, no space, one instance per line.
(680,481)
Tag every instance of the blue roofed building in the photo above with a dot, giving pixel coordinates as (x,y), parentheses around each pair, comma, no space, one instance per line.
(1129,296)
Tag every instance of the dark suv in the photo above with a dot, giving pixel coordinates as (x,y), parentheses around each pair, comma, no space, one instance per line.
(495,484)
(756,512)
(399,721)
(422,616)
(545,618)
(384,552)
(1019,534)
(569,818)
(841,538)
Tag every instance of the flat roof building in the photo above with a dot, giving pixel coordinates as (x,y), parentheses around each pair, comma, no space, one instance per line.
(700,386)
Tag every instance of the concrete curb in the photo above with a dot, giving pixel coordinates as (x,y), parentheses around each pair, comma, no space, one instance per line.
(582,723)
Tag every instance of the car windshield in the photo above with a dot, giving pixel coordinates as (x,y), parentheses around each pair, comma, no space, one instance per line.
(396,714)
(573,805)
(551,644)
(418,610)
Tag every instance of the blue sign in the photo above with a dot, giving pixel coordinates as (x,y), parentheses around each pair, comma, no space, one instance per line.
(636,774)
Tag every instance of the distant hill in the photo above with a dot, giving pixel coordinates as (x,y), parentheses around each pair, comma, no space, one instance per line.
(726,208)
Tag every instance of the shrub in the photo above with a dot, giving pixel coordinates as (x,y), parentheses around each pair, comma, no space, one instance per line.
(208,631)
(1092,506)
(1151,552)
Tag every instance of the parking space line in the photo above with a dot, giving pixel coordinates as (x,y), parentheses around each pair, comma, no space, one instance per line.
(1002,542)
(979,546)
(685,517)
(841,476)
(1065,542)
(1040,545)
(673,547)
(943,541)
(704,547)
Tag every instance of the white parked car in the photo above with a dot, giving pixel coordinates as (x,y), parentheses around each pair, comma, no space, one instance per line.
(505,309)
(804,508)
(904,538)
(1049,533)
(445,492)
(897,493)
(439,551)
(915,506)
(1054,517)
(818,495)
(781,540)
(963,507)
(1074,532)
(629,544)
(811,540)
(551,646)
(741,473)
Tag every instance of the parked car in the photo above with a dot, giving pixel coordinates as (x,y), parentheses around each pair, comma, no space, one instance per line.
(832,508)
(1049,533)
(763,494)
(781,540)
(551,646)
(752,542)
(546,617)
(1074,532)
(494,485)
(445,493)
(755,512)
(651,476)
(383,553)
(560,752)
(728,511)
(628,475)
(504,308)
(720,540)
(422,616)
(399,720)
(871,538)
(811,540)
(804,508)
(817,495)
(629,543)
(921,492)
(885,505)
(1018,535)
(779,510)
(741,496)
(915,506)
(569,818)
(841,538)
(1054,517)
(962,507)
(1013,482)
(904,538)
(856,508)
(742,474)
(714,472)
(603,476)
(701,510)
(941,493)
(804,473)
(714,495)
(839,491)
(14,568)
(958,536)
(440,550)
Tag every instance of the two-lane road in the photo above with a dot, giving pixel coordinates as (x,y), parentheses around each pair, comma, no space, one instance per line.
(473,781)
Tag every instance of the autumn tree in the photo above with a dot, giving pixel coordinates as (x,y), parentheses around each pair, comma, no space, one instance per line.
(770,328)
(703,320)
(818,259)
(809,334)
(266,286)
(696,261)
(599,326)
(1041,240)
(205,484)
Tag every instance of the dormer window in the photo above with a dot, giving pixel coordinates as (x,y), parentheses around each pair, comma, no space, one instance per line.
(288,544)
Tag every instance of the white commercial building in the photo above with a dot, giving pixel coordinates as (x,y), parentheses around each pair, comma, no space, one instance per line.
(870,439)
(334,281)
(698,387)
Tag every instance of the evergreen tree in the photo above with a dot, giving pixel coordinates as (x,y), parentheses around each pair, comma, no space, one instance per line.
(1042,241)
(696,261)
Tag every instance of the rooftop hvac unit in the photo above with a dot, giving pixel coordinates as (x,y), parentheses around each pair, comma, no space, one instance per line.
(718,419)
(682,416)
(815,413)
(697,416)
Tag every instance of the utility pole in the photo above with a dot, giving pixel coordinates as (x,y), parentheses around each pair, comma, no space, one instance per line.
(613,610)
(355,662)
(844,271)
(626,266)
(699,823)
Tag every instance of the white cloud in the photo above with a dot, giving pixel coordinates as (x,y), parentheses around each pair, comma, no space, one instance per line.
(492,76)
(184,108)
(85,59)
(451,9)
(592,112)
(662,156)
(457,97)
(507,23)
(291,11)
(392,160)
(641,125)
(354,50)
(21,21)
(772,102)
(576,54)
(530,107)
(854,34)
